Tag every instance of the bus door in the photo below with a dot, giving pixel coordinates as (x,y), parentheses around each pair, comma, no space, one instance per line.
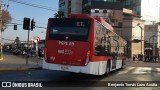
(115,51)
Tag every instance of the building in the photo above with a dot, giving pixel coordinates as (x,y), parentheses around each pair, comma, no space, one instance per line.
(149,10)
(112,15)
(70,6)
(128,25)
(152,39)
(133,33)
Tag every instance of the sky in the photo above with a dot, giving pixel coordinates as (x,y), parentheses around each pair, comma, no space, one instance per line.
(19,11)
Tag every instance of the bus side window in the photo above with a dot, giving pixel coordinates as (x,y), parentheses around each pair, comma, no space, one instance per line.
(102,41)
(97,39)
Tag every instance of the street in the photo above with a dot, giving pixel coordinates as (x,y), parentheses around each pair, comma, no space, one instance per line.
(80,44)
(134,71)
(127,74)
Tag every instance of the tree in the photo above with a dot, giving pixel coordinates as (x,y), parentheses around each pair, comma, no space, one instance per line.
(86,9)
(59,14)
(6,18)
(17,42)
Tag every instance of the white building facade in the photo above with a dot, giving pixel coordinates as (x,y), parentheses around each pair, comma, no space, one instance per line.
(149,10)
(70,6)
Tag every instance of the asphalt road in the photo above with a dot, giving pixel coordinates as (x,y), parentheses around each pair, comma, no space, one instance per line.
(127,74)
(134,71)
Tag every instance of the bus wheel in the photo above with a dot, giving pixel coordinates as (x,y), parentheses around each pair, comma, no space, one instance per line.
(107,68)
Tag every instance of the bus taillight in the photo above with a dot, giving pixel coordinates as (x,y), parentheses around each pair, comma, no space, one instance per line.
(88,53)
(87,57)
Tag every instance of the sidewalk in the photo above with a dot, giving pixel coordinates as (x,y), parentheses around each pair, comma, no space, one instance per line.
(136,63)
(12,62)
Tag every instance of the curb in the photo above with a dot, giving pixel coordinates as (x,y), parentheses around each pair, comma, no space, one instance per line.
(9,67)
(14,69)
(1,59)
(19,69)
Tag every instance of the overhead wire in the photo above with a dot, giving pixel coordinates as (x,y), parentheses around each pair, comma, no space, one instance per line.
(7,39)
(22,21)
(34,5)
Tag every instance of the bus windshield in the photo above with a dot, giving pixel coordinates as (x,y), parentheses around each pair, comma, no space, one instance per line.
(69,29)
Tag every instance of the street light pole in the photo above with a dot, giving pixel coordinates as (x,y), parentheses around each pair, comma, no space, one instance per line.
(141,39)
(153,44)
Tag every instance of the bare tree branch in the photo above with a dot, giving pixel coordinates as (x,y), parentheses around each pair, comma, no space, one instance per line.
(6,18)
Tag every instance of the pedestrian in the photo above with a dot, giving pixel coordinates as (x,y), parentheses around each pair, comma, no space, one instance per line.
(155,58)
(134,58)
(39,53)
(158,57)
(149,58)
(142,57)
(145,58)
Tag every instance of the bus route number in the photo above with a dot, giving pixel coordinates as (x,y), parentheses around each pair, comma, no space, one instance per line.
(66,43)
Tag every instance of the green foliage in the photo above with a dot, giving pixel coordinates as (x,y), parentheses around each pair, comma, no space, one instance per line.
(17,41)
(59,14)
(86,9)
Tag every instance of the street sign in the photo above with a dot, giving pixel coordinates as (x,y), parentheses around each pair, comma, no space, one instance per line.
(36,39)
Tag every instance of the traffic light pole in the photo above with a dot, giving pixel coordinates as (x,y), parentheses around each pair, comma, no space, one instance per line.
(27,55)
(27,26)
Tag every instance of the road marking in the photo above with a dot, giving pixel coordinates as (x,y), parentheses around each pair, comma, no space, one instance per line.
(142,70)
(1,59)
(138,70)
(126,70)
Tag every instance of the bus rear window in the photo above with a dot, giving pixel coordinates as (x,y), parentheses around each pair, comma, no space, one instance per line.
(69,29)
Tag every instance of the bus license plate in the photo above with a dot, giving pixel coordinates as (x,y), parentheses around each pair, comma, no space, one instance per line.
(64,67)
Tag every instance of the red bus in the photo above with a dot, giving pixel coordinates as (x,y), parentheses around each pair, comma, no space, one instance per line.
(83,44)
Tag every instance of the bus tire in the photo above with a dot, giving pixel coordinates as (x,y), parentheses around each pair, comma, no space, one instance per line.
(107,68)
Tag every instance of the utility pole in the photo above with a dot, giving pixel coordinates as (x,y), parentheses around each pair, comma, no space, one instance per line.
(141,41)
(153,47)
(1,26)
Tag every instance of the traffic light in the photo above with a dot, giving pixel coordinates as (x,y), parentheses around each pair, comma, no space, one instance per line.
(32,24)
(15,27)
(26,23)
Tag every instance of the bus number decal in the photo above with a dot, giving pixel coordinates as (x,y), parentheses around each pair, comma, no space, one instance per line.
(65,51)
(66,43)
